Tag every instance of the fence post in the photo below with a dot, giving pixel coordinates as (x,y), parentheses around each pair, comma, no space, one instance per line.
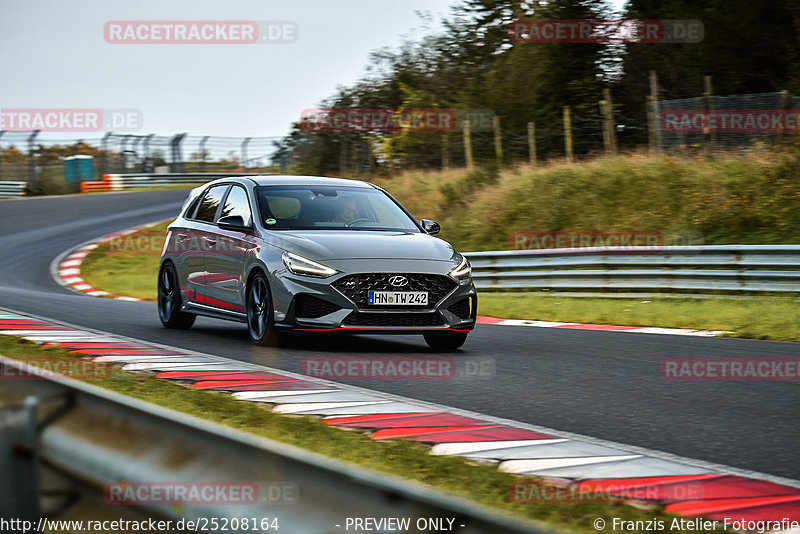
(356,160)
(651,124)
(135,148)
(609,121)
(445,151)
(786,103)
(654,103)
(1,155)
(123,152)
(104,154)
(202,148)
(177,158)
(342,155)
(390,155)
(709,138)
(532,143)
(244,152)
(567,133)
(146,161)
(468,145)
(498,141)
(606,141)
(32,161)
(368,149)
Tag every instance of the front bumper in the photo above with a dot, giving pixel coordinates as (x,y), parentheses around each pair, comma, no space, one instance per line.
(310,304)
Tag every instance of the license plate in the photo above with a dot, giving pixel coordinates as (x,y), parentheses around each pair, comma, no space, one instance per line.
(398,298)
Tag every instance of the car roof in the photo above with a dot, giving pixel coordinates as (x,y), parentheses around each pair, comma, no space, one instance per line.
(288,179)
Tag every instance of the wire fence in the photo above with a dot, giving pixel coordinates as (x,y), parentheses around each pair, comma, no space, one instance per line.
(707,124)
(714,123)
(50,165)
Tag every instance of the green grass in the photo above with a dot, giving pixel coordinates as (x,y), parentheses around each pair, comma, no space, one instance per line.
(749,199)
(480,483)
(767,318)
(128,265)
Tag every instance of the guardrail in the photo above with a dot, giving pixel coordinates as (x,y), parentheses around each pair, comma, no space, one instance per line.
(685,268)
(119,182)
(12,189)
(97,437)
(89,187)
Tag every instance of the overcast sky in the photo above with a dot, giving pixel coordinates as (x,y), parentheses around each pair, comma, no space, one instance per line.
(54,55)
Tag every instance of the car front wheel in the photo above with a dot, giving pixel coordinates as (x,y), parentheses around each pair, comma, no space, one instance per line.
(169,300)
(259,312)
(445,340)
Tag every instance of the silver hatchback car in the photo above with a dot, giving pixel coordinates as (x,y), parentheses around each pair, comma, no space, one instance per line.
(301,253)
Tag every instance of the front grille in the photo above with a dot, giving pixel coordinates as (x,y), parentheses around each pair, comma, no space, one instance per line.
(356,286)
(460,309)
(312,307)
(393,319)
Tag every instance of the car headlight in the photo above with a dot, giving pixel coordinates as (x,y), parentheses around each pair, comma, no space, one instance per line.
(464,269)
(300,265)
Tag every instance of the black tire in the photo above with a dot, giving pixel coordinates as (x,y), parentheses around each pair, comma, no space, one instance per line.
(260,320)
(169,300)
(445,340)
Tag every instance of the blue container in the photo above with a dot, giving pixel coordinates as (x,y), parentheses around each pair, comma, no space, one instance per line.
(79,168)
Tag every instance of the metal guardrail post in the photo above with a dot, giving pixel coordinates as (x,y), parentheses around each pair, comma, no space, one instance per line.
(176,165)
(202,149)
(146,166)
(103,167)
(244,151)
(19,461)
(1,155)
(32,161)
(135,149)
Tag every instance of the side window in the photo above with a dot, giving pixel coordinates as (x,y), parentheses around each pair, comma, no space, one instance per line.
(211,201)
(237,204)
(193,207)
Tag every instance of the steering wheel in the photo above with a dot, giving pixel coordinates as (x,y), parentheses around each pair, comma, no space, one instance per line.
(359,219)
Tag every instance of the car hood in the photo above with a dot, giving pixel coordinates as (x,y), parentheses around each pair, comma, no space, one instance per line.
(355,244)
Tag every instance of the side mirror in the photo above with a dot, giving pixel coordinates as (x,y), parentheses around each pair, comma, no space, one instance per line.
(232,222)
(431,227)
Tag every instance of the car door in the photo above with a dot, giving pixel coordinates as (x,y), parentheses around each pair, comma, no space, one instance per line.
(196,241)
(179,245)
(225,260)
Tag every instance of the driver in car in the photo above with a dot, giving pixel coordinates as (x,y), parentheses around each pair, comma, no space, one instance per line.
(346,211)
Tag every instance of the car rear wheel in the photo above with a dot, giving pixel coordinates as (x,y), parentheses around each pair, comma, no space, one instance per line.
(260,323)
(445,340)
(169,300)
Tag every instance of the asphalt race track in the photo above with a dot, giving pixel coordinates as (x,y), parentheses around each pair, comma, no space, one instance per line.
(602,384)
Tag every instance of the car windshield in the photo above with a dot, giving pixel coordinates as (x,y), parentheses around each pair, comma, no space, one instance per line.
(330,207)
